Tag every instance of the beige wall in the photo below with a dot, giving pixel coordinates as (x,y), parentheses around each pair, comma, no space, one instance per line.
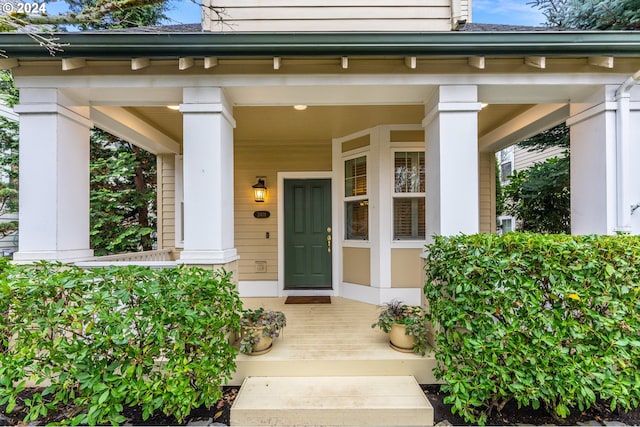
(356,266)
(406,268)
(267,158)
(166,201)
(335,15)
(487,184)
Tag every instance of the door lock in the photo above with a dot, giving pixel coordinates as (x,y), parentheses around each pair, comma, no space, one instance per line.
(329,243)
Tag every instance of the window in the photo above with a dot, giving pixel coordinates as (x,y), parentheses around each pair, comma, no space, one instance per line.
(356,199)
(506,224)
(409,196)
(505,158)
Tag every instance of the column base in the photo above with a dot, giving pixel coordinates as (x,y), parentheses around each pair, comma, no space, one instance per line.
(208,257)
(28,257)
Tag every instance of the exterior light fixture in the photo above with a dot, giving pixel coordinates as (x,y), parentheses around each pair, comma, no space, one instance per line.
(300,107)
(259,190)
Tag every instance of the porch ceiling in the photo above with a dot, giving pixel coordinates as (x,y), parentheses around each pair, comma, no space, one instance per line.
(320,123)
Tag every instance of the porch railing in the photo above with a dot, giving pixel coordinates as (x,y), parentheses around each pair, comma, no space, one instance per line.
(158,258)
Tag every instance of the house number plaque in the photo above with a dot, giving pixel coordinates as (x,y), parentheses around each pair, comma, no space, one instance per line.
(261,214)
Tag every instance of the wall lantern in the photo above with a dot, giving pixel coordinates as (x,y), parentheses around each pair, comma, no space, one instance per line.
(259,190)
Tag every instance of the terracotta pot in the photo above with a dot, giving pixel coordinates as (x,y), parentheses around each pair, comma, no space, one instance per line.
(399,340)
(264,343)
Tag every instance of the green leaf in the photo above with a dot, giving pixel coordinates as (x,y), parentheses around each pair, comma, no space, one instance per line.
(103,397)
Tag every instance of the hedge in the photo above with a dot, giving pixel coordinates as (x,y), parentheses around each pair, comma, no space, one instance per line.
(105,339)
(547,320)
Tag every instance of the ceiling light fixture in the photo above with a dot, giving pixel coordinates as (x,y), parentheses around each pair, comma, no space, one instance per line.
(173,107)
(300,107)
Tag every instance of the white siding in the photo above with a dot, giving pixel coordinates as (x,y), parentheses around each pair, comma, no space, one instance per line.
(335,15)
(524,159)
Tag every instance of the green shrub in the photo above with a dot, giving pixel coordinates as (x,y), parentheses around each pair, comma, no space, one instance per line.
(545,320)
(108,338)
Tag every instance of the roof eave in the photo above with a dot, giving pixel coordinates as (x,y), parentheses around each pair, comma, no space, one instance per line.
(105,45)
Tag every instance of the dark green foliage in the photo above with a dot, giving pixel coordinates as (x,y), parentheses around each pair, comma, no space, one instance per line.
(540,198)
(9,154)
(123,195)
(116,337)
(499,192)
(547,320)
(591,14)
(557,136)
(133,14)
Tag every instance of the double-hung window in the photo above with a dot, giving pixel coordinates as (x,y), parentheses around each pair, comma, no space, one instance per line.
(409,196)
(356,199)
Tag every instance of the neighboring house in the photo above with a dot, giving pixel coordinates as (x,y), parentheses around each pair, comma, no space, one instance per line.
(364,123)
(515,158)
(8,244)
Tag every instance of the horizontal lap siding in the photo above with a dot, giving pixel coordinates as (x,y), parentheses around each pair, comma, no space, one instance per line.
(334,15)
(253,159)
(166,201)
(487,193)
(523,159)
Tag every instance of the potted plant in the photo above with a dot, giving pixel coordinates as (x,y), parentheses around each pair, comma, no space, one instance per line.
(406,326)
(259,328)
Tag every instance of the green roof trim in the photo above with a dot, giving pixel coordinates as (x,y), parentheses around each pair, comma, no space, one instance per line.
(112,45)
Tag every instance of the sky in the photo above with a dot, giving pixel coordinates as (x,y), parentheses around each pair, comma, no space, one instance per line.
(515,12)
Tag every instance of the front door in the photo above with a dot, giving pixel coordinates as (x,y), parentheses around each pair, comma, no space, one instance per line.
(307,234)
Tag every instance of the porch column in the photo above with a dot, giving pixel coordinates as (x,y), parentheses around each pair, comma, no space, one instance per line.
(605,146)
(451,135)
(208,177)
(54,178)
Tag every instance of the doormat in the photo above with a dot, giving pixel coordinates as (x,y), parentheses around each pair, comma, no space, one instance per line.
(308,300)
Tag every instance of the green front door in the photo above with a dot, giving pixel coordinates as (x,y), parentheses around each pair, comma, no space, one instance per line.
(307,234)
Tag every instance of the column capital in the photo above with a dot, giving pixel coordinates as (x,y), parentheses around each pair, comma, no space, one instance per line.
(451,99)
(77,117)
(207,100)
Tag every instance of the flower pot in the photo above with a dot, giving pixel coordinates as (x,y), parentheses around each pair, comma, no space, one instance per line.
(399,340)
(263,345)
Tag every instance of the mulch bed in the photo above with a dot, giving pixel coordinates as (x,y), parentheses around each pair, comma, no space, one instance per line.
(220,413)
(512,415)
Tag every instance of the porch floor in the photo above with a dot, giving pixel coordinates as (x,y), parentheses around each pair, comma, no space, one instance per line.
(330,340)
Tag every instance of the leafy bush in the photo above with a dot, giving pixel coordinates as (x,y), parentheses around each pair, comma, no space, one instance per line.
(545,320)
(108,338)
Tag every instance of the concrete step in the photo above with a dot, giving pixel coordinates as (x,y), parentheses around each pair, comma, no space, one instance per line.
(331,401)
(332,364)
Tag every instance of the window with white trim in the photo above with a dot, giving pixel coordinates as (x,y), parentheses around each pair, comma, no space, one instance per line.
(409,196)
(356,199)
(505,158)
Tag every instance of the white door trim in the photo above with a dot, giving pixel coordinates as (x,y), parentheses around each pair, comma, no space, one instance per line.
(334,260)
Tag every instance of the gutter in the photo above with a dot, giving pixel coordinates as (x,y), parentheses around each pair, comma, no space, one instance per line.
(427,44)
(623,145)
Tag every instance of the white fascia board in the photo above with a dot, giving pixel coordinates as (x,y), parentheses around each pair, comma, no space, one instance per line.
(127,126)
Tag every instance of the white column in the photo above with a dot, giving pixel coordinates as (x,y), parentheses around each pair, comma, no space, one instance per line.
(208,177)
(54,178)
(451,132)
(605,149)
(593,164)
